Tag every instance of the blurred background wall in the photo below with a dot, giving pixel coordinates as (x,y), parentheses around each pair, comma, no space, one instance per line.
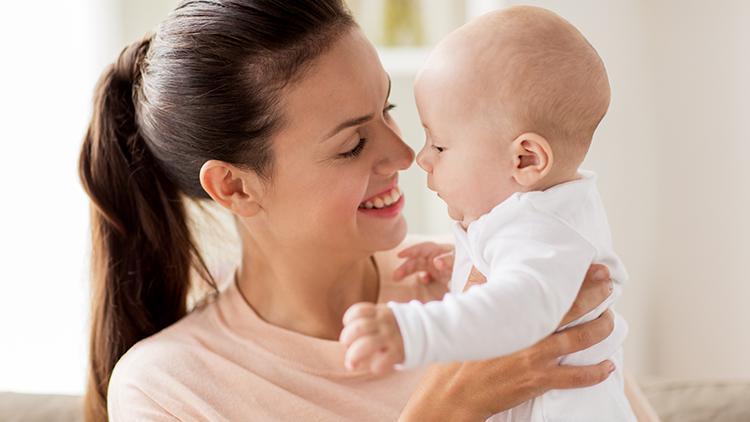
(672,156)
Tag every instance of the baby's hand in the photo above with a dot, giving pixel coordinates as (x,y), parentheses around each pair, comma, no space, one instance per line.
(372,338)
(433,261)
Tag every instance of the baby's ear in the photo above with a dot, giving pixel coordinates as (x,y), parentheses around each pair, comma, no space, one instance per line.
(532,158)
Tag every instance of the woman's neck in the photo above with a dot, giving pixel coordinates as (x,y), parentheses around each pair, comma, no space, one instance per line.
(305,291)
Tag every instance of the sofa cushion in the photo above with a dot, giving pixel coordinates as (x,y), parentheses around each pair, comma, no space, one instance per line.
(15,407)
(694,401)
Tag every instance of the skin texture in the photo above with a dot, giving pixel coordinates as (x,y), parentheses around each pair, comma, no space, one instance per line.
(522,69)
(302,270)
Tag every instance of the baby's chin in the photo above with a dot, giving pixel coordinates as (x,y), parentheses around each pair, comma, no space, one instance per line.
(455,214)
(460,217)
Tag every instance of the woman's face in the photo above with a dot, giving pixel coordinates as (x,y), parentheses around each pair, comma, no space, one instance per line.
(338,151)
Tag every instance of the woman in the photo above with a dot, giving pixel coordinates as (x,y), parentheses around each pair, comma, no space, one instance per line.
(277,111)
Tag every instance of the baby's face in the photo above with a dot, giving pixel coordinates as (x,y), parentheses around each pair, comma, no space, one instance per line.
(480,96)
(467,159)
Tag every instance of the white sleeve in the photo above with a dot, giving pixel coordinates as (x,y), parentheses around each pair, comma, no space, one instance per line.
(461,261)
(535,273)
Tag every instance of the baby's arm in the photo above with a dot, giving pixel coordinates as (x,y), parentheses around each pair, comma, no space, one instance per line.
(535,273)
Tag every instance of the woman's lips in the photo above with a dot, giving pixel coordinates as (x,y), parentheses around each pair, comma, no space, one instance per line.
(387,203)
(383,199)
(387,211)
(393,185)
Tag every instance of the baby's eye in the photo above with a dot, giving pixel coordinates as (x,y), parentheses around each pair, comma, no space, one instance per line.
(438,149)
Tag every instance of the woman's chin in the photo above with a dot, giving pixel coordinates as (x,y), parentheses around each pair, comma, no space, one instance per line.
(386,238)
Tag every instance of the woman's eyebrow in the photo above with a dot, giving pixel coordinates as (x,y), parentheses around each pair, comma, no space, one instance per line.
(349,123)
(357,120)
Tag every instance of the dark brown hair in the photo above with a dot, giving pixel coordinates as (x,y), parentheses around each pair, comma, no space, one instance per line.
(202,87)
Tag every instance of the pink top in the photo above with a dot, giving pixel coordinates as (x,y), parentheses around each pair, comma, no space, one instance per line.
(223,362)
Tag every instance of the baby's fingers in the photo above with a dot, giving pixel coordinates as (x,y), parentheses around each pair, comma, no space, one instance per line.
(419,249)
(357,329)
(382,362)
(411,266)
(359,310)
(361,351)
(405,269)
(444,261)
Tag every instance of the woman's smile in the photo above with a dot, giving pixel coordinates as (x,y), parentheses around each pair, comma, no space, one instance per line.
(386,210)
(386,204)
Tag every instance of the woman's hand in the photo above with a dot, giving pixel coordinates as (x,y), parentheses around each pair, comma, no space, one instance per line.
(473,391)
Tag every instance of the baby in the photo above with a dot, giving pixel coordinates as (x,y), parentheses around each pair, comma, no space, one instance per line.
(509,104)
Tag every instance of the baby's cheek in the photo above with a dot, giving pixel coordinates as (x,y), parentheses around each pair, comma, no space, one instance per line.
(461,192)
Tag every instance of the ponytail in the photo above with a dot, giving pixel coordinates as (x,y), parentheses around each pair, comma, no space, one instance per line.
(206,88)
(143,250)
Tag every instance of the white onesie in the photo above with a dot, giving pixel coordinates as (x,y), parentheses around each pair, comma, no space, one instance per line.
(534,248)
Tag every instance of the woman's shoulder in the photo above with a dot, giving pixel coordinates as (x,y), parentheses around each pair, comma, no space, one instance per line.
(178,341)
(160,350)
(151,366)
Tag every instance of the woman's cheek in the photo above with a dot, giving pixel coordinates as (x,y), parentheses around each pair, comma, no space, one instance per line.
(342,203)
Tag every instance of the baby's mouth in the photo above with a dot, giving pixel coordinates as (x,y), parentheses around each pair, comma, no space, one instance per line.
(382,200)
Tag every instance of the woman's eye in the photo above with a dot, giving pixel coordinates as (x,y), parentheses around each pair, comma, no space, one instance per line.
(356,150)
(363,141)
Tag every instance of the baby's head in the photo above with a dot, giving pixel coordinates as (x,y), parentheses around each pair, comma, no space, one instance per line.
(509,103)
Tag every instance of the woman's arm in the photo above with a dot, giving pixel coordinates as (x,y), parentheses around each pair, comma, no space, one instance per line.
(477,390)
(474,391)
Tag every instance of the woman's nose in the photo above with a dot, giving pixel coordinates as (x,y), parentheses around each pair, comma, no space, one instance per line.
(396,154)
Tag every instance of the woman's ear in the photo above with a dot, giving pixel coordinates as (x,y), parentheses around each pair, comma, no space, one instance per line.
(233,188)
(532,159)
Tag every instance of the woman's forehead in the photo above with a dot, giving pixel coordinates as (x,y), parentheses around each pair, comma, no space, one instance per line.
(346,81)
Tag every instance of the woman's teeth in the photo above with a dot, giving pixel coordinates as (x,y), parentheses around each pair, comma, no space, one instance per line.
(384,200)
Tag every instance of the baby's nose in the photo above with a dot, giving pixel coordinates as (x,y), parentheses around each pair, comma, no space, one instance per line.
(423,161)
